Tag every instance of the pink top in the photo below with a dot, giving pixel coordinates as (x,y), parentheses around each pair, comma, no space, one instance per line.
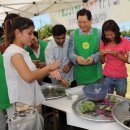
(114,67)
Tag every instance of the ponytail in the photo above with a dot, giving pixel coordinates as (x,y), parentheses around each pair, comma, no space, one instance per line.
(9,34)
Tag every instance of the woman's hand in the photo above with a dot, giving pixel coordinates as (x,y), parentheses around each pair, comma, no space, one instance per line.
(55,74)
(114,53)
(103,52)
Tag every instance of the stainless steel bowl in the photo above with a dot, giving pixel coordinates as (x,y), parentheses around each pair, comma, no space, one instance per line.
(53,91)
(121,112)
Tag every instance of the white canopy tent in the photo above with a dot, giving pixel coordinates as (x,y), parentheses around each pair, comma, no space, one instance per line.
(31,8)
(101,10)
(64,11)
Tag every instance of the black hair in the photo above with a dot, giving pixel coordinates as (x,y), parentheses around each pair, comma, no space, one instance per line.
(36,34)
(20,23)
(84,12)
(58,30)
(111,25)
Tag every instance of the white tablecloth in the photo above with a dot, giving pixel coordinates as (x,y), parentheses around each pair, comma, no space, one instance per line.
(64,104)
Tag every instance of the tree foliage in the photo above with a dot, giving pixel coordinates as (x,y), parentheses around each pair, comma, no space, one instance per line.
(68,32)
(45,31)
(125,33)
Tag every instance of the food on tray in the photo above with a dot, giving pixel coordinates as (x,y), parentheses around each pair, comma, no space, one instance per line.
(113,98)
(103,107)
(87,106)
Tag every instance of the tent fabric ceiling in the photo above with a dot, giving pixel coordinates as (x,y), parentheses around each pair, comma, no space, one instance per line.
(31,8)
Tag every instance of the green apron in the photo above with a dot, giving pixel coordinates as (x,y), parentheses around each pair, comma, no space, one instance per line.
(85,46)
(41,57)
(4,99)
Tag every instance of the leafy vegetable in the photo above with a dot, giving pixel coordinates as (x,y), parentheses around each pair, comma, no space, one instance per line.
(87,106)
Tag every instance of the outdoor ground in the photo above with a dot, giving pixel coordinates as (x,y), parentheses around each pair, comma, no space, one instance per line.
(128,87)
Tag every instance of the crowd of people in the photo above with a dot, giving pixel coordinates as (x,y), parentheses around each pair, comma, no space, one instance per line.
(25,59)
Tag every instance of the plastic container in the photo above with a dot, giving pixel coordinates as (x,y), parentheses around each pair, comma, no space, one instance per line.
(95,92)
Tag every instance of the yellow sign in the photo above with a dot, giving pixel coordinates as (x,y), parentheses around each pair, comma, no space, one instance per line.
(85,45)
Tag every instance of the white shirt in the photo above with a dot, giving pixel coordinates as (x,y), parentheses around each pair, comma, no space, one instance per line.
(18,89)
(55,52)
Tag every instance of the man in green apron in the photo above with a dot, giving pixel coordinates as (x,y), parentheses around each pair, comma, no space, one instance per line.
(83,50)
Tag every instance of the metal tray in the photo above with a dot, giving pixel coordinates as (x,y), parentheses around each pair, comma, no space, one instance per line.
(53,91)
(92,115)
(121,112)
